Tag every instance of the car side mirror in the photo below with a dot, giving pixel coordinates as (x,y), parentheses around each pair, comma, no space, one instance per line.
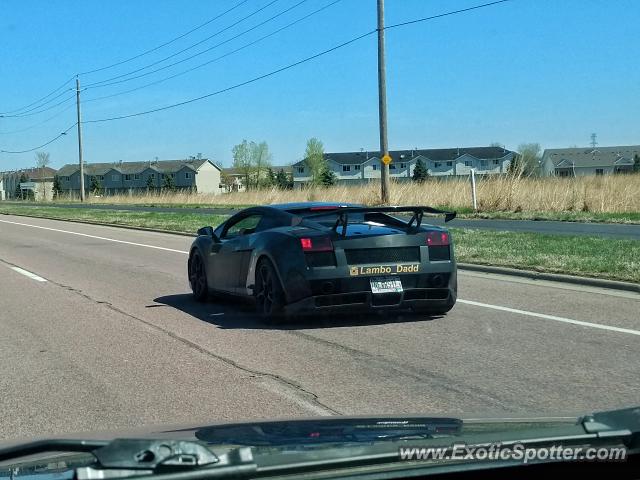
(208,232)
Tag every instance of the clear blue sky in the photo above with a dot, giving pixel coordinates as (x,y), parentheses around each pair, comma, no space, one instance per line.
(547,71)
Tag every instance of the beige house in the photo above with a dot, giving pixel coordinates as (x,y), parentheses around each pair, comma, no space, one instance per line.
(38,185)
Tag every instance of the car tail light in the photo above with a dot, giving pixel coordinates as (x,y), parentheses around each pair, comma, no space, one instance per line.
(435,238)
(316,244)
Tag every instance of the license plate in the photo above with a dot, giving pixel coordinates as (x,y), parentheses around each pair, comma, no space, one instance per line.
(385,285)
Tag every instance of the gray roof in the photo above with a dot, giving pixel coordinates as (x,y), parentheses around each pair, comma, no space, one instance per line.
(436,154)
(592,157)
(162,166)
(32,173)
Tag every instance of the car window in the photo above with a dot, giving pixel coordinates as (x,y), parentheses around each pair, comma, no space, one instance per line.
(244,226)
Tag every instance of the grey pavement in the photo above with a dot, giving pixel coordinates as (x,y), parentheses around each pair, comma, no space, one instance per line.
(112,339)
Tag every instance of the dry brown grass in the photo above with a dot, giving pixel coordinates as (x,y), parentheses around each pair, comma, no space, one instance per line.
(606,194)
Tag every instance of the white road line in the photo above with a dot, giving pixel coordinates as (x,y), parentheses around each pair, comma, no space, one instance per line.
(97,237)
(552,317)
(26,273)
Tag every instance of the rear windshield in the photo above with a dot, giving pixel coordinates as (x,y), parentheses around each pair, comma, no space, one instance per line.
(329,218)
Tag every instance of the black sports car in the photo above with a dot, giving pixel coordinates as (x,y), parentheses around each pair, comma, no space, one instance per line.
(325,257)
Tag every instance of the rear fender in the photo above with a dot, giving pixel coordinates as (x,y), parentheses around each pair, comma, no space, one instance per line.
(286,256)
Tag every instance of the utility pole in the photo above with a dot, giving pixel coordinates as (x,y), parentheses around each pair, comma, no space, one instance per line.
(382,107)
(80,140)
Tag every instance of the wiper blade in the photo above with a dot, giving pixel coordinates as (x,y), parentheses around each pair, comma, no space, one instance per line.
(164,459)
(55,445)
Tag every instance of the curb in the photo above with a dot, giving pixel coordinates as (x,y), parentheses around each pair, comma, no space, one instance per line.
(554,277)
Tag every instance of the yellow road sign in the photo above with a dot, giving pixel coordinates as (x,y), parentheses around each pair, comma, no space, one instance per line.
(386,159)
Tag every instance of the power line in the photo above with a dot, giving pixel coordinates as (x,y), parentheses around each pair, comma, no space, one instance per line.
(43,145)
(255,79)
(255,12)
(39,123)
(264,37)
(26,112)
(128,59)
(237,85)
(292,65)
(206,50)
(166,43)
(40,111)
(37,101)
(453,12)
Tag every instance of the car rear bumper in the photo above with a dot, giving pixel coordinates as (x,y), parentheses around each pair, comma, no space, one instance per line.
(352,302)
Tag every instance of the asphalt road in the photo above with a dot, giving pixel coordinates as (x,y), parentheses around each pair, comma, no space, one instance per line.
(98,332)
(628,231)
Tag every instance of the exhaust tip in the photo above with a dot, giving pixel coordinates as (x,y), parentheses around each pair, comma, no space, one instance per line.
(328,288)
(437,280)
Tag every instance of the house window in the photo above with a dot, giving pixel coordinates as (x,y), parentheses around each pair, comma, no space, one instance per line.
(100,177)
(300,169)
(127,177)
(392,166)
(136,176)
(66,179)
(115,177)
(153,176)
(173,175)
(599,171)
(356,167)
(449,164)
(187,175)
(468,163)
(483,163)
(403,165)
(346,168)
(437,165)
(375,167)
(496,162)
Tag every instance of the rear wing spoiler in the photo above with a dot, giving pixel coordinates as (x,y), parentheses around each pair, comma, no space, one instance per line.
(343,214)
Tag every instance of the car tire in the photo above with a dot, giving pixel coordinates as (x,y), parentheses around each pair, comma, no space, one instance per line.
(198,277)
(269,294)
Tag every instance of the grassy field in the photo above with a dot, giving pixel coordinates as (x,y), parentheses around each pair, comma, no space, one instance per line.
(612,198)
(175,222)
(574,255)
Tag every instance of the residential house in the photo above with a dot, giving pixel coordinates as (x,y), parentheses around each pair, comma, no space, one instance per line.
(572,162)
(197,175)
(39,184)
(360,167)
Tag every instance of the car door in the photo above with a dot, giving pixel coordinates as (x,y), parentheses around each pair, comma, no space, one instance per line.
(227,264)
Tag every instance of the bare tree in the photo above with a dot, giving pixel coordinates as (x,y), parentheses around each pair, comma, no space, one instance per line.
(42,161)
(242,161)
(260,158)
(314,159)
(530,156)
